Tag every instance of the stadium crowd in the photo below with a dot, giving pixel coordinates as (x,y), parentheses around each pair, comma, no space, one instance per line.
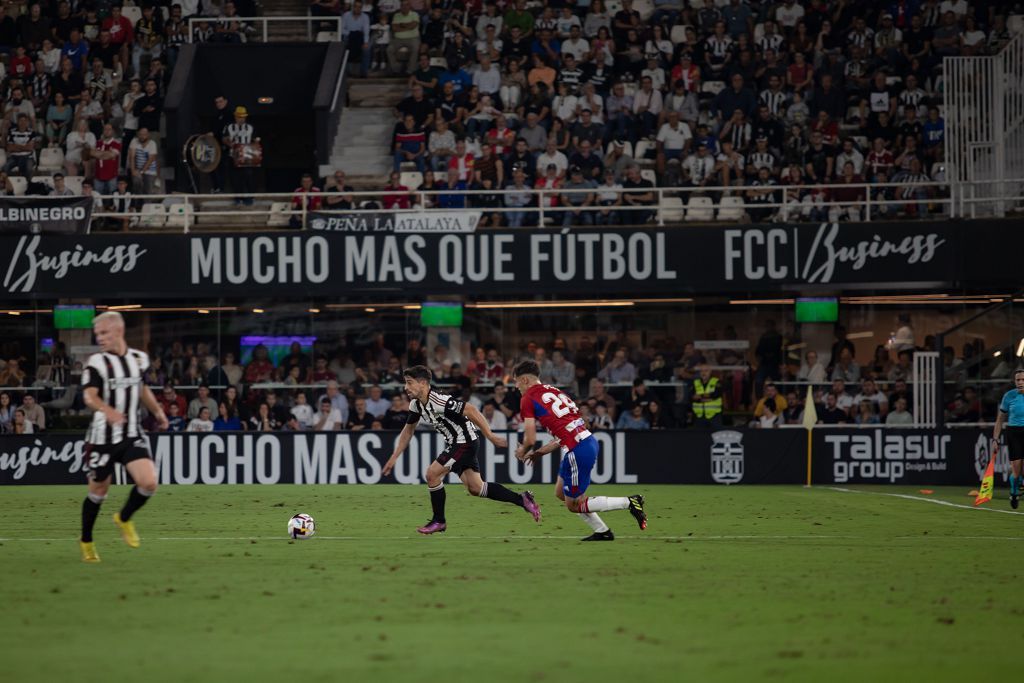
(617,385)
(83,86)
(755,96)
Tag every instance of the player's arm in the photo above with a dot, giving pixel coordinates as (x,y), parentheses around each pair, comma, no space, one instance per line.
(403,442)
(1000,420)
(477,418)
(529,437)
(154,407)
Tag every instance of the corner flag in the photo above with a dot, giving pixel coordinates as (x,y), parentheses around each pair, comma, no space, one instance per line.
(988,481)
(810,411)
(810,419)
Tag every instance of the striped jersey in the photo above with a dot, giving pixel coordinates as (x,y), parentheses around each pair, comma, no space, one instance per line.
(239,133)
(119,382)
(445,414)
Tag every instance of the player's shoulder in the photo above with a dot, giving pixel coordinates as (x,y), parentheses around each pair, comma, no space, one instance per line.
(141,357)
(438,398)
(96,360)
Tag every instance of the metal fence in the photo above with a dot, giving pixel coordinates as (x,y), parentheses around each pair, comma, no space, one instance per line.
(984,137)
(669,205)
(258,29)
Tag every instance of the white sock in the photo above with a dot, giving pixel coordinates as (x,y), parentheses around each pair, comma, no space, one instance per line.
(593,521)
(602,503)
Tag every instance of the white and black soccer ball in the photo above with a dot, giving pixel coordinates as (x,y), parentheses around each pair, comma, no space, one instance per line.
(301,527)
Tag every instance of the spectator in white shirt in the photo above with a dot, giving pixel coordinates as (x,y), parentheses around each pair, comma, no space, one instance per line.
(376,404)
(673,140)
(302,411)
(495,418)
(202,422)
(337,400)
(328,419)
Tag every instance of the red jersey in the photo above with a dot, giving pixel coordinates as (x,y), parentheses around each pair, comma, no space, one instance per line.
(556,412)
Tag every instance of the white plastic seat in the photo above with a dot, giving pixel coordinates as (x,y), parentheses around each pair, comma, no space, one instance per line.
(613,6)
(649,174)
(712,87)
(51,159)
(131,13)
(700,209)
(439,62)
(862,142)
(19,183)
(74,183)
(175,213)
(645,8)
(153,216)
(627,148)
(279,215)
(411,179)
(326,37)
(938,172)
(641,149)
(671,210)
(731,209)
(678,34)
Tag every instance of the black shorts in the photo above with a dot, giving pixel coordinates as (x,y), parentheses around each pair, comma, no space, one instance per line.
(1015,442)
(100,459)
(461,457)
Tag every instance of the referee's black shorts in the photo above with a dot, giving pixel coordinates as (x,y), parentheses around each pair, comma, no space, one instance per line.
(1015,442)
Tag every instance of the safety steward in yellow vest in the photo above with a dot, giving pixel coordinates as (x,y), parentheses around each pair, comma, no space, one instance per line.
(707,400)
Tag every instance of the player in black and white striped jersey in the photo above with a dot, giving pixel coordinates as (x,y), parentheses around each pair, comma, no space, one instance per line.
(460,424)
(114,389)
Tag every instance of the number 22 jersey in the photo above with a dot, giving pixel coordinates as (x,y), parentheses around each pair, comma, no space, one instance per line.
(556,412)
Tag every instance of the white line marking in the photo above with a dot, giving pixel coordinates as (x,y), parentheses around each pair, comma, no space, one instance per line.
(766,537)
(936,501)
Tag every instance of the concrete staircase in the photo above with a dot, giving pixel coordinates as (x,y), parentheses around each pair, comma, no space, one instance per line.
(362,147)
(288,31)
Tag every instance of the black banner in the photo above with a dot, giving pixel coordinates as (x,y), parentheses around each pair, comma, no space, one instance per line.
(52,215)
(777,456)
(455,220)
(676,260)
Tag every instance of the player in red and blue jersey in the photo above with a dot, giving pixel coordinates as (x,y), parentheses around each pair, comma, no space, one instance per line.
(557,413)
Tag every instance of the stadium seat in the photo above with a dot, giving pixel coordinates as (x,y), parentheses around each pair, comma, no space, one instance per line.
(641,149)
(678,35)
(671,210)
(700,209)
(279,215)
(45,180)
(893,80)
(731,209)
(758,32)
(19,183)
(712,87)
(938,172)
(175,213)
(153,216)
(51,160)
(131,13)
(627,149)
(326,37)
(862,142)
(645,8)
(613,6)
(649,174)
(439,62)
(74,183)
(411,179)
(630,89)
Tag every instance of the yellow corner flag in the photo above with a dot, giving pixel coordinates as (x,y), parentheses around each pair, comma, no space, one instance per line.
(988,481)
(810,412)
(810,419)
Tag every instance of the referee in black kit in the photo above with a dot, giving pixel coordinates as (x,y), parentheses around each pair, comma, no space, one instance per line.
(114,390)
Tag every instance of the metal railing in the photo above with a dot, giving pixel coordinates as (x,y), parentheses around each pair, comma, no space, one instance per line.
(258,28)
(670,205)
(984,135)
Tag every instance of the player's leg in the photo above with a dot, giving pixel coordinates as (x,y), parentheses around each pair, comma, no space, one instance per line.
(484,489)
(1016,466)
(566,489)
(90,511)
(1015,447)
(435,475)
(143,473)
(582,461)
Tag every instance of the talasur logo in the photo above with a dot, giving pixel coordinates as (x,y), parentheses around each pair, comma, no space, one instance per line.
(727,457)
(885,457)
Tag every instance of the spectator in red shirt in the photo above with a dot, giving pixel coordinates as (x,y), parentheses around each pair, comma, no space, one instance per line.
(321,373)
(107,156)
(398,195)
(21,64)
(259,368)
(170,396)
(880,161)
(852,197)
(312,203)
(122,34)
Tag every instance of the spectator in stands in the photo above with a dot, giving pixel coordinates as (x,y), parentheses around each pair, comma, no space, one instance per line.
(376,404)
(899,416)
(80,143)
(869,392)
(33,412)
(360,418)
(59,116)
(637,192)
(148,107)
(306,196)
(143,162)
(202,400)
(409,142)
(397,195)
(22,142)
(328,419)
(831,413)
(236,135)
(577,196)
(619,369)
(227,419)
(106,159)
(518,196)
(866,414)
(6,407)
(846,368)
(634,418)
(60,189)
(355,33)
(21,424)
(201,422)
(169,396)
(404,46)
(772,400)
(812,369)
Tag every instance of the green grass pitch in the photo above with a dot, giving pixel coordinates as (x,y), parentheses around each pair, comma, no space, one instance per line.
(727,584)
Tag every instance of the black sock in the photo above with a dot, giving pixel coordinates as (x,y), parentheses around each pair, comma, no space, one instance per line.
(90,510)
(437,497)
(134,502)
(499,492)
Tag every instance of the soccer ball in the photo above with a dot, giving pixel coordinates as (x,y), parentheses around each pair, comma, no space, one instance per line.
(301,527)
